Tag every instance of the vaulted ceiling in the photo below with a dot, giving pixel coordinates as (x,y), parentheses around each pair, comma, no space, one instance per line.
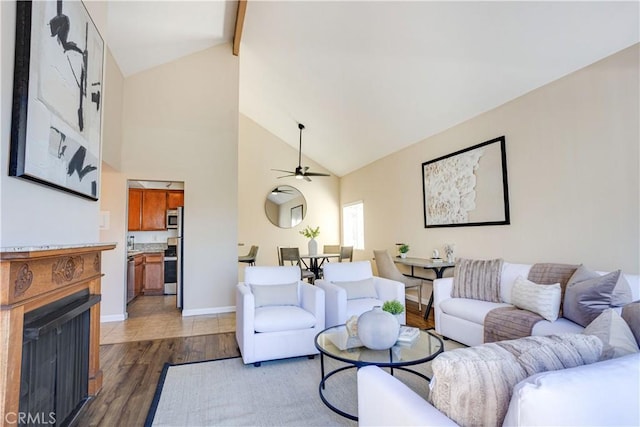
(368,78)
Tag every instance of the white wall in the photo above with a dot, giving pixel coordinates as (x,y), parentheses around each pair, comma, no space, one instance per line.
(32,214)
(572,157)
(180,123)
(259,152)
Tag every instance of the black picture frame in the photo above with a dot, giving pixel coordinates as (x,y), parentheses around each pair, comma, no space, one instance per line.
(56,126)
(468,187)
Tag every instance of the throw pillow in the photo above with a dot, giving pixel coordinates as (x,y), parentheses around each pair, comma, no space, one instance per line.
(615,334)
(477,279)
(631,315)
(621,294)
(364,288)
(541,299)
(585,300)
(265,295)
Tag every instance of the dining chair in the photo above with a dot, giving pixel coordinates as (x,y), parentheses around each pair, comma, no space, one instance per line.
(250,258)
(292,256)
(387,268)
(346,252)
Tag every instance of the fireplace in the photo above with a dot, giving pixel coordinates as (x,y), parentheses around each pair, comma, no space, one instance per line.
(55,356)
(49,332)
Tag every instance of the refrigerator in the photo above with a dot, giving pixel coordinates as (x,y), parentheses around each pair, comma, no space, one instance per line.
(179,253)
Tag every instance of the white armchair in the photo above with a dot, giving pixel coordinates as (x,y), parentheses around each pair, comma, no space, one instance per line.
(351,289)
(277,315)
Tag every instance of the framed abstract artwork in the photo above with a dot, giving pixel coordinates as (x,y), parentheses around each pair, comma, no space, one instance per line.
(468,187)
(57,97)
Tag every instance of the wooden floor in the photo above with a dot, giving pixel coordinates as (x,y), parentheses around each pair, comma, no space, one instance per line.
(132,369)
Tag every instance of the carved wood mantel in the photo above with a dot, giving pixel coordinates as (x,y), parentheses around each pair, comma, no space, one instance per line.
(30,278)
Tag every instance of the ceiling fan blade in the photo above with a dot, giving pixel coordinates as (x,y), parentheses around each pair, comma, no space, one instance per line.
(282,170)
(316,174)
(306,178)
(285,176)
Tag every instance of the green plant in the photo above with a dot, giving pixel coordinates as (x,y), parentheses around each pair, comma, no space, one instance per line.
(311,233)
(393,306)
(404,248)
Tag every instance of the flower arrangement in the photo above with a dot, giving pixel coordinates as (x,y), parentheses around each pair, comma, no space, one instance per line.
(393,306)
(311,233)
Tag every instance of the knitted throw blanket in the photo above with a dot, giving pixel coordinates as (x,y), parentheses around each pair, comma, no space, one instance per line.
(506,323)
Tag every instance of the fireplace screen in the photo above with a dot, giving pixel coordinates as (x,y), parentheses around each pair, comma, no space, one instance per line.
(55,360)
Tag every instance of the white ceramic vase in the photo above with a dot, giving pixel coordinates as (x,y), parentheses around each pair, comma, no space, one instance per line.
(313,247)
(403,255)
(378,329)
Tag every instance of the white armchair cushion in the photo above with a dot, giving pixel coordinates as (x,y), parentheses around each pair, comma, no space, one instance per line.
(364,288)
(266,295)
(347,271)
(282,318)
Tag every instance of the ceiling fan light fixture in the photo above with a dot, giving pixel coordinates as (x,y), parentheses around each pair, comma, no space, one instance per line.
(300,172)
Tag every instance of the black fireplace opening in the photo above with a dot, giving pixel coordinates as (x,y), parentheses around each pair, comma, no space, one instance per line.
(55,361)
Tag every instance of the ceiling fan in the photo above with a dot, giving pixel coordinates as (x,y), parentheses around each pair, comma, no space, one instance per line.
(278,190)
(301,172)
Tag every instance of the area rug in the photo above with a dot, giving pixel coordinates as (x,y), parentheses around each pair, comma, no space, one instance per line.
(278,393)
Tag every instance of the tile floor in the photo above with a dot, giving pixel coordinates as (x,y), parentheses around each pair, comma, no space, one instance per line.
(156,317)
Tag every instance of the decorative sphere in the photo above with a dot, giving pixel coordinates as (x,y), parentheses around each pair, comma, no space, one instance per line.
(378,329)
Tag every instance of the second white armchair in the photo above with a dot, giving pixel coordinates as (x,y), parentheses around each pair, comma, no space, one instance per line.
(351,289)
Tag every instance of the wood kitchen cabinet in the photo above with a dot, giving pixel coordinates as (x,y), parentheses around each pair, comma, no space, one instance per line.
(135,209)
(148,208)
(153,274)
(175,199)
(138,273)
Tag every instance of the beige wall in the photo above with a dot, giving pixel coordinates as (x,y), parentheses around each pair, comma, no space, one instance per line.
(112,129)
(259,152)
(572,157)
(33,214)
(180,123)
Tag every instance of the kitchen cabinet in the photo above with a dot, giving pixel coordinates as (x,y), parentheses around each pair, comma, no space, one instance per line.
(153,274)
(138,270)
(175,199)
(148,208)
(135,209)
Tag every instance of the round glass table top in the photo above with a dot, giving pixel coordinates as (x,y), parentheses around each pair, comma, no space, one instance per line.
(335,343)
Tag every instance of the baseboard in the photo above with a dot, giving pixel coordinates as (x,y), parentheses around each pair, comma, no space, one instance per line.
(113,318)
(210,310)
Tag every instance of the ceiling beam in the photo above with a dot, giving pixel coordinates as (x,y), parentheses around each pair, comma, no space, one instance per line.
(237,36)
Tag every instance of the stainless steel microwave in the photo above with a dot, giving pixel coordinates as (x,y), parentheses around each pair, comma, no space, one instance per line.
(172,218)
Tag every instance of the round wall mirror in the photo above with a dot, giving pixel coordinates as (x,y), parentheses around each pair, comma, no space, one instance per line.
(285,206)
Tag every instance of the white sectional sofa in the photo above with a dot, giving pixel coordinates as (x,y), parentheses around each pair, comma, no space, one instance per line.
(462,319)
(600,394)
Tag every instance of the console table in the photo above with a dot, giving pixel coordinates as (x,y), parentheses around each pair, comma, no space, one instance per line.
(427,264)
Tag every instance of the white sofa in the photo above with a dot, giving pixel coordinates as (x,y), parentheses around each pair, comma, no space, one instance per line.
(600,394)
(355,274)
(462,319)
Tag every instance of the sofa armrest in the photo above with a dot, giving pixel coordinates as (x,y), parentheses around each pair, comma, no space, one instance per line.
(388,290)
(335,299)
(245,314)
(312,300)
(441,291)
(385,401)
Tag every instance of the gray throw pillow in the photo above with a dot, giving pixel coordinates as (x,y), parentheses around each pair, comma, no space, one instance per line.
(615,334)
(365,288)
(631,315)
(477,279)
(621,294)
(266,295)
(585,300)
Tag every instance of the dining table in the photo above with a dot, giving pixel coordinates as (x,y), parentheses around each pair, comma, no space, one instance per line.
(316,260)
(437,266)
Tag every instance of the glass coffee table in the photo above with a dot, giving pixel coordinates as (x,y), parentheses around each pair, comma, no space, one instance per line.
(333,343)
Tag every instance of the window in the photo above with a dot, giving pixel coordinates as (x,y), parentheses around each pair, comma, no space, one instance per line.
(353,225)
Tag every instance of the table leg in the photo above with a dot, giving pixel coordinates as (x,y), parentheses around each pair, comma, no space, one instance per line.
(439,272)
(322,369)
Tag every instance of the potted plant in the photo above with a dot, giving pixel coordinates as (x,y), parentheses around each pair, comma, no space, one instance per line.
(311,233)
(403,249)
(394,307)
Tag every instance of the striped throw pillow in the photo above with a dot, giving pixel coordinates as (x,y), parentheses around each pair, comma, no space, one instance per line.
(477,279)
